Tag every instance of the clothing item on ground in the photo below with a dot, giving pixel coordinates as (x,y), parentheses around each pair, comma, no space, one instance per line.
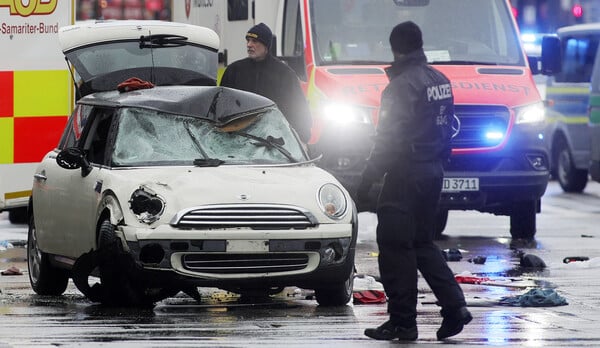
(535,298)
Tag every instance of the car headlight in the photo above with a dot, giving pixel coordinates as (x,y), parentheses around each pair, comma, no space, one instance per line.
(533,113)
(146,205)
(346,113)
(332,201)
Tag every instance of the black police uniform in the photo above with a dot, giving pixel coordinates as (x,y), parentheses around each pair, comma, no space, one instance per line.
(275,80)
(411,146)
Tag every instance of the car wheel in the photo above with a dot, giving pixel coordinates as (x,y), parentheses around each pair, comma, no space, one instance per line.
(18,215)
(337,295)
(45,279)
(441,219)
(522,220)
(570,178)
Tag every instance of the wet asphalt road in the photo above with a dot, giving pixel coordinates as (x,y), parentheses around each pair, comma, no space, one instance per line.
(567,226)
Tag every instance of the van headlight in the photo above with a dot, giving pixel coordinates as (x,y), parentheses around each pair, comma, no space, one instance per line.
(533,113)
(332,201)
(346,114)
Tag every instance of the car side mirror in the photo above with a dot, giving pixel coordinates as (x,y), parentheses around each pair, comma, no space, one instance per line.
(551,55)
(73,158)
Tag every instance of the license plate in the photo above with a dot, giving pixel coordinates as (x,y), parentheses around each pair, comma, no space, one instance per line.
(460,184)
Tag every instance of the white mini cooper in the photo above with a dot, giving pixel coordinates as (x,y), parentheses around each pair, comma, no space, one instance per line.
(166,182)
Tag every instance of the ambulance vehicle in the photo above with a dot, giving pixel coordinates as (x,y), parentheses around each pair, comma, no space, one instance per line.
(35,93)
(339,49)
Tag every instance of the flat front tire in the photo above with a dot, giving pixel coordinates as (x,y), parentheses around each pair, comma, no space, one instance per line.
(45,279)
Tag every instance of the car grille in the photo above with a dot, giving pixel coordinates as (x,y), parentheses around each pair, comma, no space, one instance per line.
(244,216)
(244,263)
(475,121)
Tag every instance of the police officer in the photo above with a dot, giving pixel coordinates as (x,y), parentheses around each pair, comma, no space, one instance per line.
(411,146)
(263,74)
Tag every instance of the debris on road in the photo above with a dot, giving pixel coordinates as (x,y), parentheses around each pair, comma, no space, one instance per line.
(535,298)
(12,270)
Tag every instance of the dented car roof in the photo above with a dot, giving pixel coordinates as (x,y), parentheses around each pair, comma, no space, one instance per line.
(218,104)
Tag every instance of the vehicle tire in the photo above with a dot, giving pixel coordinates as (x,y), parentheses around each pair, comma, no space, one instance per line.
(441,219)
(18,215)
(337,295)
(45,279)
(523,220)
(569,178)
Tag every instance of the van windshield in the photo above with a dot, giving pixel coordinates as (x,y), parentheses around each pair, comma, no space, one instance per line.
(454,32)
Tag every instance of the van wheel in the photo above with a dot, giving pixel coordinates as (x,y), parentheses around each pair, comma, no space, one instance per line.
(337,295)
(570,178)
(522,220)
(441,219)
(45,279)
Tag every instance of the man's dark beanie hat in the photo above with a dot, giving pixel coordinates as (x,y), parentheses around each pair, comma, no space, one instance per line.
(406,37)
(262,33)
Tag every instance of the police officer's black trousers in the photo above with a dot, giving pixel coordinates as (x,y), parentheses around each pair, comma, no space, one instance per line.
(405,231)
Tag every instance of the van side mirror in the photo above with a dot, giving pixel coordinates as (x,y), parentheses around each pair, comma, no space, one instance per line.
(551,55)
(73,158)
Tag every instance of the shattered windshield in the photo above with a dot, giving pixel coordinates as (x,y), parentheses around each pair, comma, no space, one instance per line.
(454,31)
(148,137)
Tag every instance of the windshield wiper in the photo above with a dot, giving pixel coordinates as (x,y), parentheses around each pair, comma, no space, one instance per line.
(208,162)
(270,142)
(162,40)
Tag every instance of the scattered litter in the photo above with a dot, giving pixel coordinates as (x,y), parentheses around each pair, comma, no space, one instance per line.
(369,297)
(373,254)
(366,282)
(532,261)
(5,245)
(479,260)
(570,259)
(452,254)
(469,278)
(12,270)
(367,290)
(535,298)
(593,263)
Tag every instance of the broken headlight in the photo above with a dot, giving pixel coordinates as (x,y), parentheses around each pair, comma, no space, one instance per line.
(146,205)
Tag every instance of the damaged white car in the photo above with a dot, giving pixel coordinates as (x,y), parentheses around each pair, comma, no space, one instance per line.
(171,183)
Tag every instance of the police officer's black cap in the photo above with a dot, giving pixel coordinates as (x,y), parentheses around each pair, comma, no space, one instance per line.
(262,33)
(406,37)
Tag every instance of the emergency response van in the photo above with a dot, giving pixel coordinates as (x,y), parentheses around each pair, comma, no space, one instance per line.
(35,93)
(567,97)
(339,49)
(594,121)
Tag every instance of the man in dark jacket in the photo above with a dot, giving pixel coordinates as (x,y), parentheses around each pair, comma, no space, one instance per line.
(263,74)
(411,146)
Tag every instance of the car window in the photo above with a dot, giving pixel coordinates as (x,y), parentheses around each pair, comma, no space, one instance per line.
(578,59)
(75,126)
(148,137)
(97,141)
(106,58)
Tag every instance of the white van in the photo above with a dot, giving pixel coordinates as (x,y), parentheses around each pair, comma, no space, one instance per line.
(594,119)
(567,97)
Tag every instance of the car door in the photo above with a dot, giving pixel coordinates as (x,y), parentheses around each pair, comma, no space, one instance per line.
(49,184)
(79,196)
